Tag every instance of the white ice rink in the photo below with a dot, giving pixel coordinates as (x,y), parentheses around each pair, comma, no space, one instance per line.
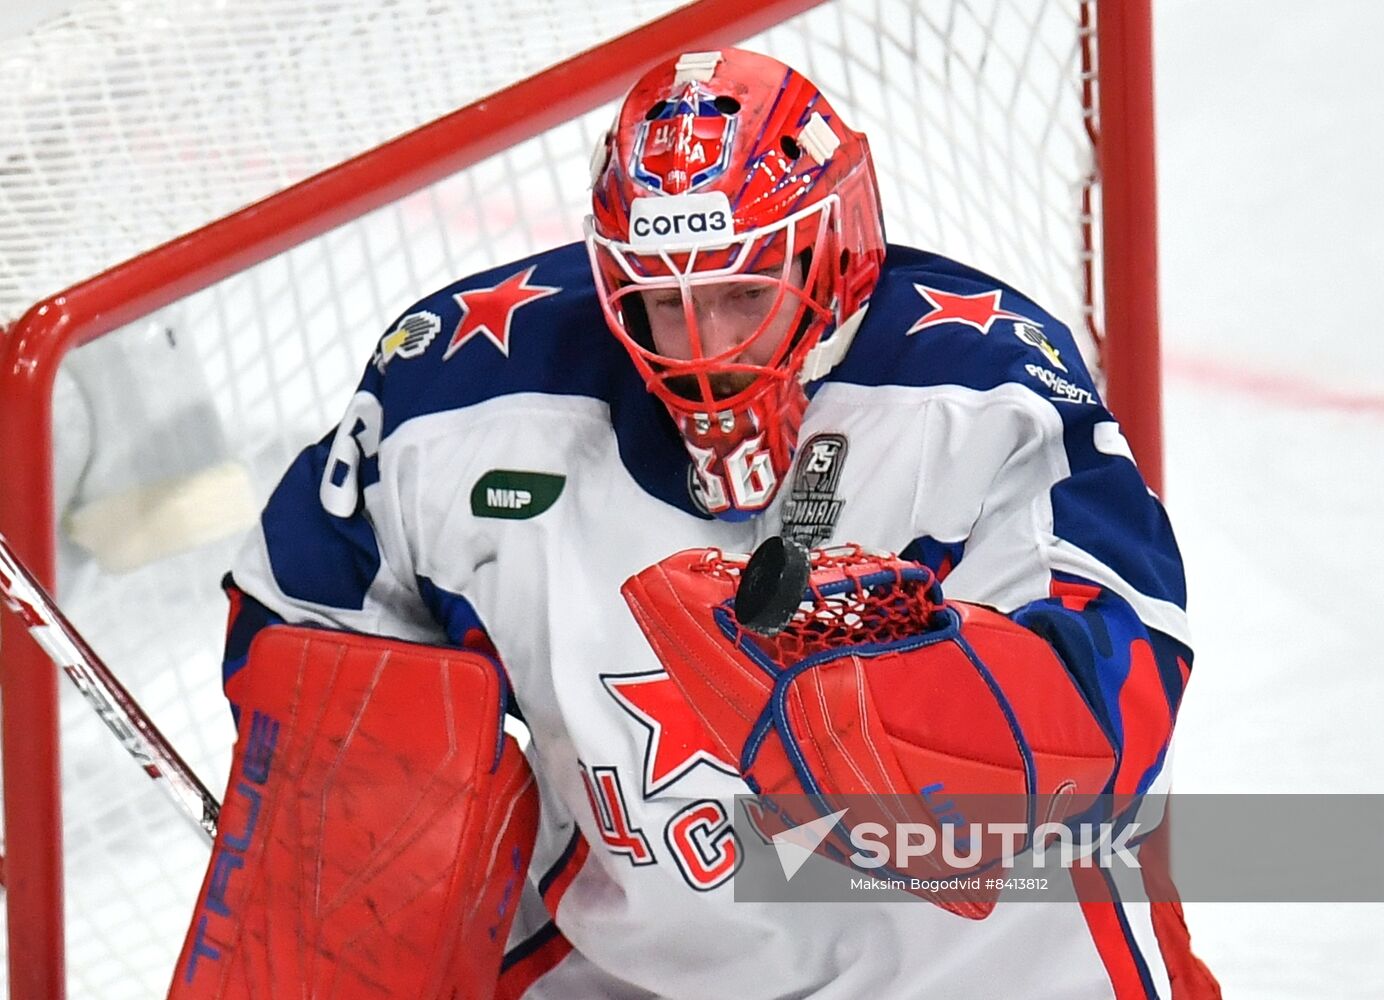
(1271,154)
(1271,144)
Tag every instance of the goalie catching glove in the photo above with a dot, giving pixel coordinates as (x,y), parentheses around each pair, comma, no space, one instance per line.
(376,830)
(878,690)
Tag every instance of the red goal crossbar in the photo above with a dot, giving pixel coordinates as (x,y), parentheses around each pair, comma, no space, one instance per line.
(36,344)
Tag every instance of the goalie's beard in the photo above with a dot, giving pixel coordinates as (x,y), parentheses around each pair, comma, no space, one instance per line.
(724,385)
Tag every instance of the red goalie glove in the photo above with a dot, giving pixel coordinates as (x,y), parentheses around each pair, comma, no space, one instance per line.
(876,687)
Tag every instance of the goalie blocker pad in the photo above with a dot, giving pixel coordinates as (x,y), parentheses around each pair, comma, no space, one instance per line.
(881,698)
(376,829)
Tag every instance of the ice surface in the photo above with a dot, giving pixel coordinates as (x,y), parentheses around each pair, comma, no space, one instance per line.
(1270,141)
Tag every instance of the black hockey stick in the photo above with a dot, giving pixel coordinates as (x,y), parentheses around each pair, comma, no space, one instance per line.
(22,594)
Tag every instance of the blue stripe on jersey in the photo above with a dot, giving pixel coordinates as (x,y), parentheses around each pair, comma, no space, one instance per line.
(317,557)
(529,945)
(940,557)
(1141,965)
(456,614)
(1104,508)
(558,867)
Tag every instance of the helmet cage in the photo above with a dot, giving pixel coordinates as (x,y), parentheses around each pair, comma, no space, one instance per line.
(623,270)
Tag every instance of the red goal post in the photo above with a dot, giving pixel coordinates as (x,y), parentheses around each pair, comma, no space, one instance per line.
(1116,250)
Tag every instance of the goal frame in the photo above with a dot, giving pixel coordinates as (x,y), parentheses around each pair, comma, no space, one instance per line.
(34,346)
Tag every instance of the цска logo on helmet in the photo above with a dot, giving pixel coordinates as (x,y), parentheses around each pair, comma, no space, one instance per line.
(681,220)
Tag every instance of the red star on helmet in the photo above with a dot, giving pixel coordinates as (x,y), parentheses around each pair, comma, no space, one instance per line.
(979,310)
(677,740)
(491,310)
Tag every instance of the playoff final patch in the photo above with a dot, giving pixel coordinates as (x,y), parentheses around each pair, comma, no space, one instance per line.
(812,509)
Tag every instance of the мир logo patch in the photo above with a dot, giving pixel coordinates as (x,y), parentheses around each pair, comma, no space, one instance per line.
(515,494)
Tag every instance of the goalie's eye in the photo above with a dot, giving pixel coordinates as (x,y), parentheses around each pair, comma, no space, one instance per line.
(666,300)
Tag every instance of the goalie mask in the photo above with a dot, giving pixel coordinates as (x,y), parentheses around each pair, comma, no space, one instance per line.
(735,237)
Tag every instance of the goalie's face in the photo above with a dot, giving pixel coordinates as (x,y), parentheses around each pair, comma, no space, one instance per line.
(741,324)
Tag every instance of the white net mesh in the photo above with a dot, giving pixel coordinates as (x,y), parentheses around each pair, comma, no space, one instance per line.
(132,121)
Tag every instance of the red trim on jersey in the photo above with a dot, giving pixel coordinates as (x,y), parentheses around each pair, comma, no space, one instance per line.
(1108,933)
(562,879)
(1141,698)
(1184,670)
(233,596)
(1189,976)
(945,567)
(548,945)
(1075,596)
(517,978)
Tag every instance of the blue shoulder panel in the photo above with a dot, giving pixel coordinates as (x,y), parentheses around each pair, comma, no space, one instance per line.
(531,326)
(316,556)
(935,322)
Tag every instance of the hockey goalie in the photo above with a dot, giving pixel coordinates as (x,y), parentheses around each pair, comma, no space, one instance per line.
(733,354)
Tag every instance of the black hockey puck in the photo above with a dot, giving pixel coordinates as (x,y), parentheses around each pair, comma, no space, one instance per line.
(771,585)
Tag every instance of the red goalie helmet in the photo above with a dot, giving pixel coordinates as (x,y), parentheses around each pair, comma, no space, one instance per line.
(735,237)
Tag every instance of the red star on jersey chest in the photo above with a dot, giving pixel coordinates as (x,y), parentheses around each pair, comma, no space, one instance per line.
(677,740)
(490,311)
(979,310)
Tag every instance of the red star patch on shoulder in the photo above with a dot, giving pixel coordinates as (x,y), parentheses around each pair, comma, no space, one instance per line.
(979,310)
(490,311)
(677,739)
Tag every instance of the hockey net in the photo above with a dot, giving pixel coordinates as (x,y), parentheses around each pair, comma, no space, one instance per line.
(128,123)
